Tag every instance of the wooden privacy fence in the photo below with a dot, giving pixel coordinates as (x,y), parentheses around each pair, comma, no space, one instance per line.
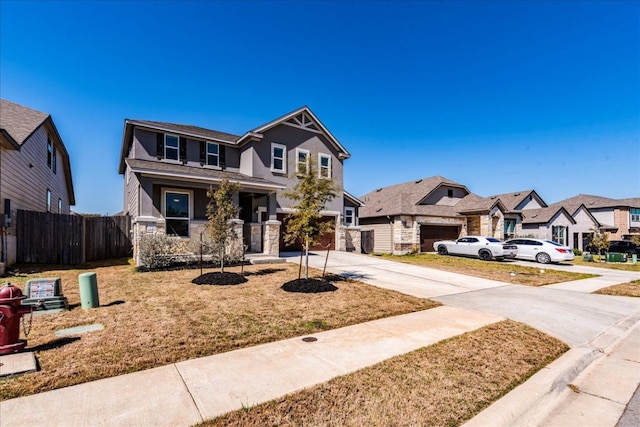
(47,238)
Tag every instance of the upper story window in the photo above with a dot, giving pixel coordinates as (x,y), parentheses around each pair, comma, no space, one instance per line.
(51,155)
(171,147)
(450,193)
(324,166)
(302,160)
(278,158)
(213,154)
(635,215)
(349,217)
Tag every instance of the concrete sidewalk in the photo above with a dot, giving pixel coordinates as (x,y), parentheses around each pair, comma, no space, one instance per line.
(189,392)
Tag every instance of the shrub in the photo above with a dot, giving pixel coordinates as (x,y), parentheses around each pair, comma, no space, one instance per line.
(161,251)
(577,252)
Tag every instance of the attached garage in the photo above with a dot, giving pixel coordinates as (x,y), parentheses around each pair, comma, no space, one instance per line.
(432,233)
(327,240)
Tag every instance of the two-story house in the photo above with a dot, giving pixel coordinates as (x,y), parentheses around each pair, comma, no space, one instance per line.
(168,168)
(35,171)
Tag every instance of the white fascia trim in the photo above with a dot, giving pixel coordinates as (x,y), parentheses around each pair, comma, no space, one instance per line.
(323,213)
(187,177)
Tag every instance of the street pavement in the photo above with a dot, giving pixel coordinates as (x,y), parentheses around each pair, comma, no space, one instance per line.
(602,367)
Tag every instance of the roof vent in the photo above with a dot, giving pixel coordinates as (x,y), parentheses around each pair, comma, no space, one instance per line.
(379,189)
(418,181)
(493,197)
(517,194)
(378,210)
(534,215)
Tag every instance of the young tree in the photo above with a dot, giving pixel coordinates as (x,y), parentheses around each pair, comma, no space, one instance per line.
(311,193)
(600,241)
(220,211)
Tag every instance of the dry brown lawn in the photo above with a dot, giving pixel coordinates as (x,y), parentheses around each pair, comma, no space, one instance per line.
(630,289)
(598,262)
(441,385)
(158,318)
(503,271)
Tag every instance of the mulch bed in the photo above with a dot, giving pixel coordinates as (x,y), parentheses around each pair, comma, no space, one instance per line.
(218,278)
(309,286)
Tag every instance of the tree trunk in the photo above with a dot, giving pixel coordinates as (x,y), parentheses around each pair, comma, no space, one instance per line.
(222,259)
(306,266)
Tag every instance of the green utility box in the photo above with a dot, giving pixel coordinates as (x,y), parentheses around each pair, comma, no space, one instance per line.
(614,257)
(45,293)
(634,259)
(88,283)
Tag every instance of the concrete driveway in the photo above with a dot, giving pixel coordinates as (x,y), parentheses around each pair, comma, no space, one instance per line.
(564,311)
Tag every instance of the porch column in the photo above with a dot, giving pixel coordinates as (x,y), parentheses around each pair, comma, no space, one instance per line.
(236,247)
(272,207)
(271,245)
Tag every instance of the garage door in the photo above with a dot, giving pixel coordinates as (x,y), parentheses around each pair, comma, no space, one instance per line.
(382,237)
(432,233)
(327,240)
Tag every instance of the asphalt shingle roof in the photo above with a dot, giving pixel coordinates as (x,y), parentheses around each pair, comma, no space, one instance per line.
(19,121)
(190,130)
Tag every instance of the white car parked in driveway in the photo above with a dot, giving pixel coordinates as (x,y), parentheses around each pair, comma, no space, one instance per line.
(542,251)
(485,248)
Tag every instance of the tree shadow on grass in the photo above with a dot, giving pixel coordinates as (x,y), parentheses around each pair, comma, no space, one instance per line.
(309,286)
(220,279)
(264,271)
(57,343)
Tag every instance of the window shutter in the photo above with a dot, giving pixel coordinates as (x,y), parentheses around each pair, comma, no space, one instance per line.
(160,145)
(203,153)
(183,149)
(223,156)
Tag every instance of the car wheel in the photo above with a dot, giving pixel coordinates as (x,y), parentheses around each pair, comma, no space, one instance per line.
(543,258)
(442,250)
(485,255)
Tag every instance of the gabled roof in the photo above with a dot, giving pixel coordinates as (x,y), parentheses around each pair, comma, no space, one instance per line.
(302,118)
(18,123)
(187,130)
(353,199)
(474,204)
(597,202)
(405,198)
(513,199)
(544,215)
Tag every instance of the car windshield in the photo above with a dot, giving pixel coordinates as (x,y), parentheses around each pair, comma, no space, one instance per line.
(553,243)
(492,239)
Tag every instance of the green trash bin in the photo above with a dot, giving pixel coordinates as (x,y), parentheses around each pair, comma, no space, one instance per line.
(614,257)
(88,290)
(634,259)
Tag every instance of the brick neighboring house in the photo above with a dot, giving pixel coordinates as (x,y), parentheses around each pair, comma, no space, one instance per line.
(619,218)
(411,216)
(35,170)
(168,168)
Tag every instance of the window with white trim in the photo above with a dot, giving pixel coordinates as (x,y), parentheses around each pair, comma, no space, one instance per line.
(171,147)
(559,234)
(349,217)
(177,213)
(302,160)
(59,206)
(48,200)
(213,154)
(635,215)
(278,158)
(51,155)
(324,165)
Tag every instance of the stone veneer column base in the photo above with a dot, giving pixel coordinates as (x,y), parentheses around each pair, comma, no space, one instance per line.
(271,244)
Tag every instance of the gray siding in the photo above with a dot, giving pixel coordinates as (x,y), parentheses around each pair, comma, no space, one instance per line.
(25,176)
(440,196)
(293,138)
(145,147)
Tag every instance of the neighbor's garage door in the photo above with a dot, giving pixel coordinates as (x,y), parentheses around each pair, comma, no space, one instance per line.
(327,240)
(432,233)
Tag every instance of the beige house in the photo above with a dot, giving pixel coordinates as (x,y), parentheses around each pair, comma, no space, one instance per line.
(35,172)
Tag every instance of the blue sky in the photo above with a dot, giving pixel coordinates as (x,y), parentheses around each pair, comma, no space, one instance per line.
(499,96)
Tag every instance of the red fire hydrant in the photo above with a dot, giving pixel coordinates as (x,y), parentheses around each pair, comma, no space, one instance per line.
(10,313)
